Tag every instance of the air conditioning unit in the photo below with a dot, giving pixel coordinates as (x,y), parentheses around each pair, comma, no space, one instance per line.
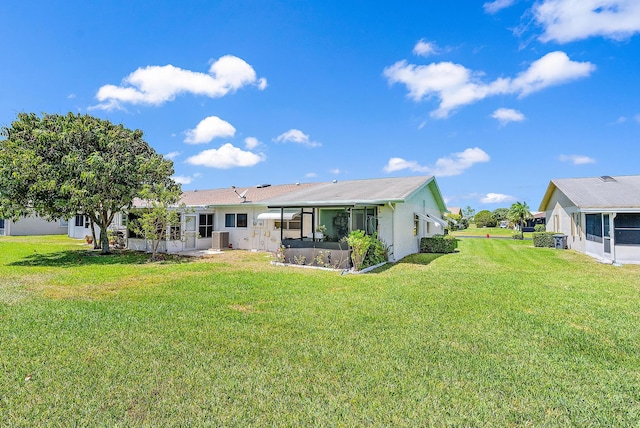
(220,240)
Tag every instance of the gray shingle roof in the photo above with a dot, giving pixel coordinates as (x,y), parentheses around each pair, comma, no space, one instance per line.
(620,192)
(353,192)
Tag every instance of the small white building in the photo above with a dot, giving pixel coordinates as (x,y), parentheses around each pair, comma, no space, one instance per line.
(264,217)
(32,225)
(599,215)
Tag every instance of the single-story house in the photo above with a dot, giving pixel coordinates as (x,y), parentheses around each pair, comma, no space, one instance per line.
(80,226)
(265,217)
(599,215)
(32,225)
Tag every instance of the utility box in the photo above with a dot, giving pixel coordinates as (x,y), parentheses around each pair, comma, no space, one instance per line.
(560,241)
(220,240)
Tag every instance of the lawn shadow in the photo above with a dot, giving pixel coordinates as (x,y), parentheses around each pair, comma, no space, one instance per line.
(74,258)
(423,258)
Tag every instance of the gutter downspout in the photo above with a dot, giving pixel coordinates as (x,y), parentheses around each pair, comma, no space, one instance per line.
(612,239)
(393,230)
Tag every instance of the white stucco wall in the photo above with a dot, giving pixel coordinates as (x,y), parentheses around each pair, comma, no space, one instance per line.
(561,219)
(403,241)
(34,225)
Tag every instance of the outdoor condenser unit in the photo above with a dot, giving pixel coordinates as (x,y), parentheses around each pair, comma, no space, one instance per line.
(220,240)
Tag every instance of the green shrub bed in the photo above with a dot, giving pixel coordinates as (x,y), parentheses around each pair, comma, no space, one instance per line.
(543,239)
(438,244)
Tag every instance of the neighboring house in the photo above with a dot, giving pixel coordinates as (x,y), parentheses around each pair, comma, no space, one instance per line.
(80,226)
(32,225)
(599,215)
(399,210)
(455,211)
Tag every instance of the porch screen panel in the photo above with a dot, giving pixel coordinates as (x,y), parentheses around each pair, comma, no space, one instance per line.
(593,227)
(627,229)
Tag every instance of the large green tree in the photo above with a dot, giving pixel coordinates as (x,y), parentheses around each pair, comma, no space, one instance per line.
(57,166)
(519,213)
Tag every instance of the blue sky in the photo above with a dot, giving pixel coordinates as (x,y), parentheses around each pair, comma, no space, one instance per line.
(494,98)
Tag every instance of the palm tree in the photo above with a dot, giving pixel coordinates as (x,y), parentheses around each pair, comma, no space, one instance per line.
(519,212)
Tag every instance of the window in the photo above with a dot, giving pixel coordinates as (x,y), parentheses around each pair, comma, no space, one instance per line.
(1,223)
(241,220)
(206,225)
(593,227)
(627,229)
(235,220)
(229,220)
(132,217)
(174,233)
(416,225)
(87,222)
(79,220)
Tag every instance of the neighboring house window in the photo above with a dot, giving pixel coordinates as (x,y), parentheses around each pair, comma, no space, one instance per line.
(593,227)
(416,225)
(206,225)
(86,222)
(235,220)
(131,233)
(79,220)
(627,229)
(229,220)
(241,220)
(1,223)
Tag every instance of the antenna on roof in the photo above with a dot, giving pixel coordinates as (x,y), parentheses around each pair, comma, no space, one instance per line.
(242,195)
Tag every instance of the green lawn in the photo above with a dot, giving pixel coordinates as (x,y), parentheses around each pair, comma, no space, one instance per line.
(472,230)
(498,334)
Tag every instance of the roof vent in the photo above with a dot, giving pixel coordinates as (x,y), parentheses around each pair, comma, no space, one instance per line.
(334,181)
(607,179)
(260,186)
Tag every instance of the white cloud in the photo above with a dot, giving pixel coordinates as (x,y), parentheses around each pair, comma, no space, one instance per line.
(227,156)
(398,164)
(208,129)
(251,143)
(568,20)
(296,136)
(155,85)
(455,164)
(495,198)
(71,96)
(457,86)
(310,175)
(637,118)
(496,6)
(425,48)
(172,155)
(576,159)
(181,179)
(506,115)
(335,171)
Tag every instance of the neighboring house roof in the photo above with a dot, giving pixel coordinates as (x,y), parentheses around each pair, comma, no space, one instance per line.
(620,192)
(232,196)
(359,192)
(455,210)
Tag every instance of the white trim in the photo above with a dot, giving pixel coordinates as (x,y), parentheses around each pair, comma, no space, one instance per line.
(276,215)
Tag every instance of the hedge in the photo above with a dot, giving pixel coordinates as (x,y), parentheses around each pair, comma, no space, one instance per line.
(438,244)
(543,239)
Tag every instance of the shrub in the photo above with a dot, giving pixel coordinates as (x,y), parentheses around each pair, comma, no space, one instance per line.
(485,219)
(518,235)
(359,243)
(376,254)
(540,228)
(438,244)
(543,239)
